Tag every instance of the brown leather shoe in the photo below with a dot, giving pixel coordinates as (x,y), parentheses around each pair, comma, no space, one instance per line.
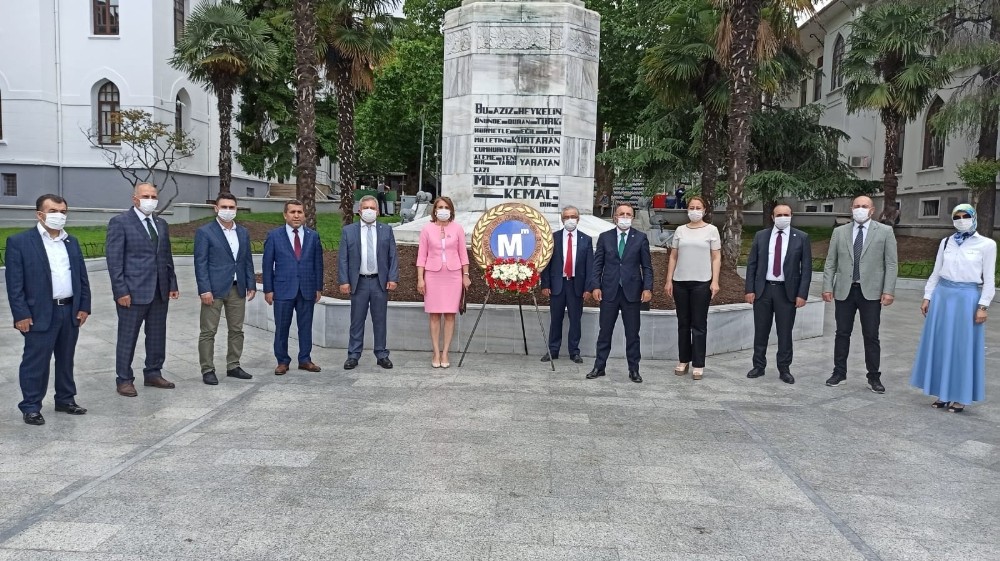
(127,389)
(281,370)
(309,366)
(159,382)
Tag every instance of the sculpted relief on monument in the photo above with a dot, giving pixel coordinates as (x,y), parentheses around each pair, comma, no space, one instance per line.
(520,38)
(458,41)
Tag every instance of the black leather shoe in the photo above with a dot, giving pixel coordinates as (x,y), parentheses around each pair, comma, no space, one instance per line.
(836,380)
(239,373)
(595,373)
(210,378)
(576,358)
(71,408)
(786,377)
(547,357)
(875,383)
(350,364)
(34,419)
(755,373)
(635,377)
(384,363)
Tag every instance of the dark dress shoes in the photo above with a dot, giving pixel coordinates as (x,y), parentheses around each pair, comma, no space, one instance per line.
(309,367)
(210,378)
(159,382)
(836,380)
(127,389)
(281,370)
(635,377)
(34,419)
(547,357)
(384,363)
(595,373)
(71,408)
(786,377)
(755,373)
(349,364)
(875,383)
(576,358)
(239,373)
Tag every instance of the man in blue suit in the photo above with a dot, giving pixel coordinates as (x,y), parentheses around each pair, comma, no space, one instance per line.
(367,269)
(223,268)
(49,296)
(566,281)
(622,281)
(293,282)
(141,267)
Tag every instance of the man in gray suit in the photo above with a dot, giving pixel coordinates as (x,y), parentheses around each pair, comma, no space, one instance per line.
(367,269)
(860,274)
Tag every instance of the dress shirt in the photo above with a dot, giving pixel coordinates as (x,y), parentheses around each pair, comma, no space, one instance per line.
(576,240)
(291,236)
(55,250)
(142,219)
(365,249)
(232,238)
(618,237)
(973,261)
(770,253)
(864,233)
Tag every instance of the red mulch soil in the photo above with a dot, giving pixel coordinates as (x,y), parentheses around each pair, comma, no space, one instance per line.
(909,248)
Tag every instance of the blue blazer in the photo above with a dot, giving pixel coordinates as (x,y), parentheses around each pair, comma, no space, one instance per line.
(214,266)
(29,279)
(797,266)
(633,272)
(551,276)
(283,274)
(349,256)
(136,266)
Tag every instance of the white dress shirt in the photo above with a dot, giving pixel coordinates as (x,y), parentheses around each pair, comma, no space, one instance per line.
(55,250)
(232,239)
(618,238)
(864,233)
(145,225)
(291,236)
(365,249)
(973,261)
(770,254)
(566,252)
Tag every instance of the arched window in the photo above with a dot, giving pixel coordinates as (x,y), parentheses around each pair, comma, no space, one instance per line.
(178,115)
(836,65)
(105,16)
(180,14)
(818,79)
(108,105)
(934,143)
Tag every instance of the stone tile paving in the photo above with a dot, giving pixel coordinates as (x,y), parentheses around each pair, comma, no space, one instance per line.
(498,460)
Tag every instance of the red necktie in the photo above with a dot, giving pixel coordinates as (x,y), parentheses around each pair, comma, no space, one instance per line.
(297,245)
(776,268)
(568,269)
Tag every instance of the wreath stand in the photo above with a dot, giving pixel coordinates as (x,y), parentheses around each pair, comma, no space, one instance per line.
(524,333)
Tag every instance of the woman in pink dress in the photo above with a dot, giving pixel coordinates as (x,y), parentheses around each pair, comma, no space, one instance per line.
(442,272)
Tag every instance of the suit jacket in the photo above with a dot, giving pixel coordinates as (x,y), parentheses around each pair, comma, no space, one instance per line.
(214,266)
(29,279)
(878,263)
(138,267)
(429,254)
(797,265)
(633,272)
(286,276)
(349,256)
(551,276)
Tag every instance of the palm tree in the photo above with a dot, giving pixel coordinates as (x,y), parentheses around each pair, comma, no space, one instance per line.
(219,46)
(306,76)
(890,67)
(358,38)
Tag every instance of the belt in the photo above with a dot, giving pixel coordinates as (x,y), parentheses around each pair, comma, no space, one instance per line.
(855,284)
(62,301)
(235,283)
(375,276)
(776,283)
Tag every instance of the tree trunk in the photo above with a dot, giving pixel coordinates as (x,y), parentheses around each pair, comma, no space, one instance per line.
(306,75)
(989,127)
(890,182)
(767,210)
(711,145)
(604,174)
(345,139)
(225,106)
(745,16)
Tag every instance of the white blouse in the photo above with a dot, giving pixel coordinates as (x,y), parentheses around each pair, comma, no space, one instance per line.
(973,261)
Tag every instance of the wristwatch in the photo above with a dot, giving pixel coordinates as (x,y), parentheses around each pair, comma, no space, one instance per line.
(983,308)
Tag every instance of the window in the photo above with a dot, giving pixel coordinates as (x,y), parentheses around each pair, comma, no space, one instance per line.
(933,142)
(251,191)
(803,93)
(107,109)
(901,137)
(9,184)
(105,17)
(929,208)
(836,65)
(818,79)
(812,208)
(827,207)
(178,115)
(179,14)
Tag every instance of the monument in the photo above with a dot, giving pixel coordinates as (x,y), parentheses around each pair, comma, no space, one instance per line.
(520,109)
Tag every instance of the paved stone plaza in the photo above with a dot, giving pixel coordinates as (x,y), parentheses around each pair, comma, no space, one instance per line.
(498,460)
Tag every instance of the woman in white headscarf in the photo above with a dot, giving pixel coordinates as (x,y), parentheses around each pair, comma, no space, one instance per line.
(951,358)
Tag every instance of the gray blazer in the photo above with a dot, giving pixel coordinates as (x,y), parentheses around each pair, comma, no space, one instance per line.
(349,256)
(878,262)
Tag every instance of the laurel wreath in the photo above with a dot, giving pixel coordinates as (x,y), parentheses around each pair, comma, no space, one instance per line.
(483,231)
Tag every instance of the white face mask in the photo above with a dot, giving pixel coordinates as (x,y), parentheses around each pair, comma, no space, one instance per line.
(962,224)
(147,206)
(783,222)
(861,215)
(695,215)
(624,223)
(369,215)
(227,214)
(55,220)
(569,224)
(442,214)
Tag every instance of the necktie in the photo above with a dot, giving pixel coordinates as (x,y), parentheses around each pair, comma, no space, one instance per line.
(298,244)
(371,250)
(776,268)
(621,245)
(568,268)
(859,241)
(152,232)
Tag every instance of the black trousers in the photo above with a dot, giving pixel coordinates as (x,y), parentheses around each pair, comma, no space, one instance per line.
(773,308)
(39,347)
(692,299)
(559,304)
(629,312)
(871,315)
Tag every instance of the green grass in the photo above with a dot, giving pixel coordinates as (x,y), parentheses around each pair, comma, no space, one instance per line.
(85,234)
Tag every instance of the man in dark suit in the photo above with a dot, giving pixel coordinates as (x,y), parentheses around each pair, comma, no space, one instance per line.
(622,281)
(223,268)
(367,269)
(49,295)
(293,282)
(141,267)
(566,281)
(779,270)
